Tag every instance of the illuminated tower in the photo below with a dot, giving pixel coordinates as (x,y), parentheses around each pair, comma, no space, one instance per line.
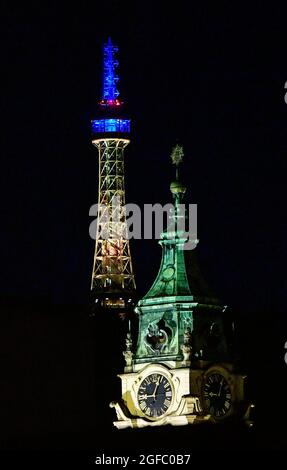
(181,372)
(113,284)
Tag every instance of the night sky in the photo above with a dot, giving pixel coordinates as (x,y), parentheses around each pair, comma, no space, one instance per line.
(208,75)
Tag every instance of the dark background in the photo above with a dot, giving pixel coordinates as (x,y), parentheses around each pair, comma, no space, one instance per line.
(209,75)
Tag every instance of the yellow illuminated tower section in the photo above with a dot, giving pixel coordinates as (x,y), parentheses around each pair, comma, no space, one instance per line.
(113,283)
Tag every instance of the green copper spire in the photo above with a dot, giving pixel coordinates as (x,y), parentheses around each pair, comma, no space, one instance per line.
(172,278)
(174,318)
(165,312)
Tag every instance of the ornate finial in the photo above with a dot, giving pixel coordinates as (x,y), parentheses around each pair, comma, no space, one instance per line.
(177,157)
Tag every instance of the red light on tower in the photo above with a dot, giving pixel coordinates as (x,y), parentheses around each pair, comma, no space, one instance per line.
(111,103)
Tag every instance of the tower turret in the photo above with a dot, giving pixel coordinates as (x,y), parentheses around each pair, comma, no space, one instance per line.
(171,306)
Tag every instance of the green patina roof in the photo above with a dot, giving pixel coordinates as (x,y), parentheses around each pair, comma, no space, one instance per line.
(171,279)
(179,274)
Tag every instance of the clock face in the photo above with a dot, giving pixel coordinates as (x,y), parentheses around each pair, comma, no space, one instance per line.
(217,395)
(155,395)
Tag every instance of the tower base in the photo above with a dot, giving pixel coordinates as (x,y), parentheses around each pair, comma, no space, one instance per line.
(125,421)
(185,407)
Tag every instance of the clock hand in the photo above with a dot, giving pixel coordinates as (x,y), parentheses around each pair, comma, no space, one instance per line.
(219,393)
(153,396)
(155,389)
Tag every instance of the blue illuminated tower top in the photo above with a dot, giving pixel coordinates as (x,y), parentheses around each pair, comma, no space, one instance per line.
(112,121)
(110,79)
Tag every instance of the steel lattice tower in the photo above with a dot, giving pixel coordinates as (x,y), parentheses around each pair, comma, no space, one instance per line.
(113,283)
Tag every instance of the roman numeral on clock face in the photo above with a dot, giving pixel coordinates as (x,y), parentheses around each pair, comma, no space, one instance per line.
(148,411)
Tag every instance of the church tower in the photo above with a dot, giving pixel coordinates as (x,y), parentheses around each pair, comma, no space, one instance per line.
(180,372)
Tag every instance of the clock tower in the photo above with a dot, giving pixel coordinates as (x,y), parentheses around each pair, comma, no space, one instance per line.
(180,371)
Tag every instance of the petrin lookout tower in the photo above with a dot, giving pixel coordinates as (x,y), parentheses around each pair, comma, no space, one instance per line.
(113,283)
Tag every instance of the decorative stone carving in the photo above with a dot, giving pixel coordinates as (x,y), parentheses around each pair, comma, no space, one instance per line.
(128,354)
(186,346)
(156,339)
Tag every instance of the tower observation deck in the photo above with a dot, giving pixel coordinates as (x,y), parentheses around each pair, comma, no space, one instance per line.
(113,283)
